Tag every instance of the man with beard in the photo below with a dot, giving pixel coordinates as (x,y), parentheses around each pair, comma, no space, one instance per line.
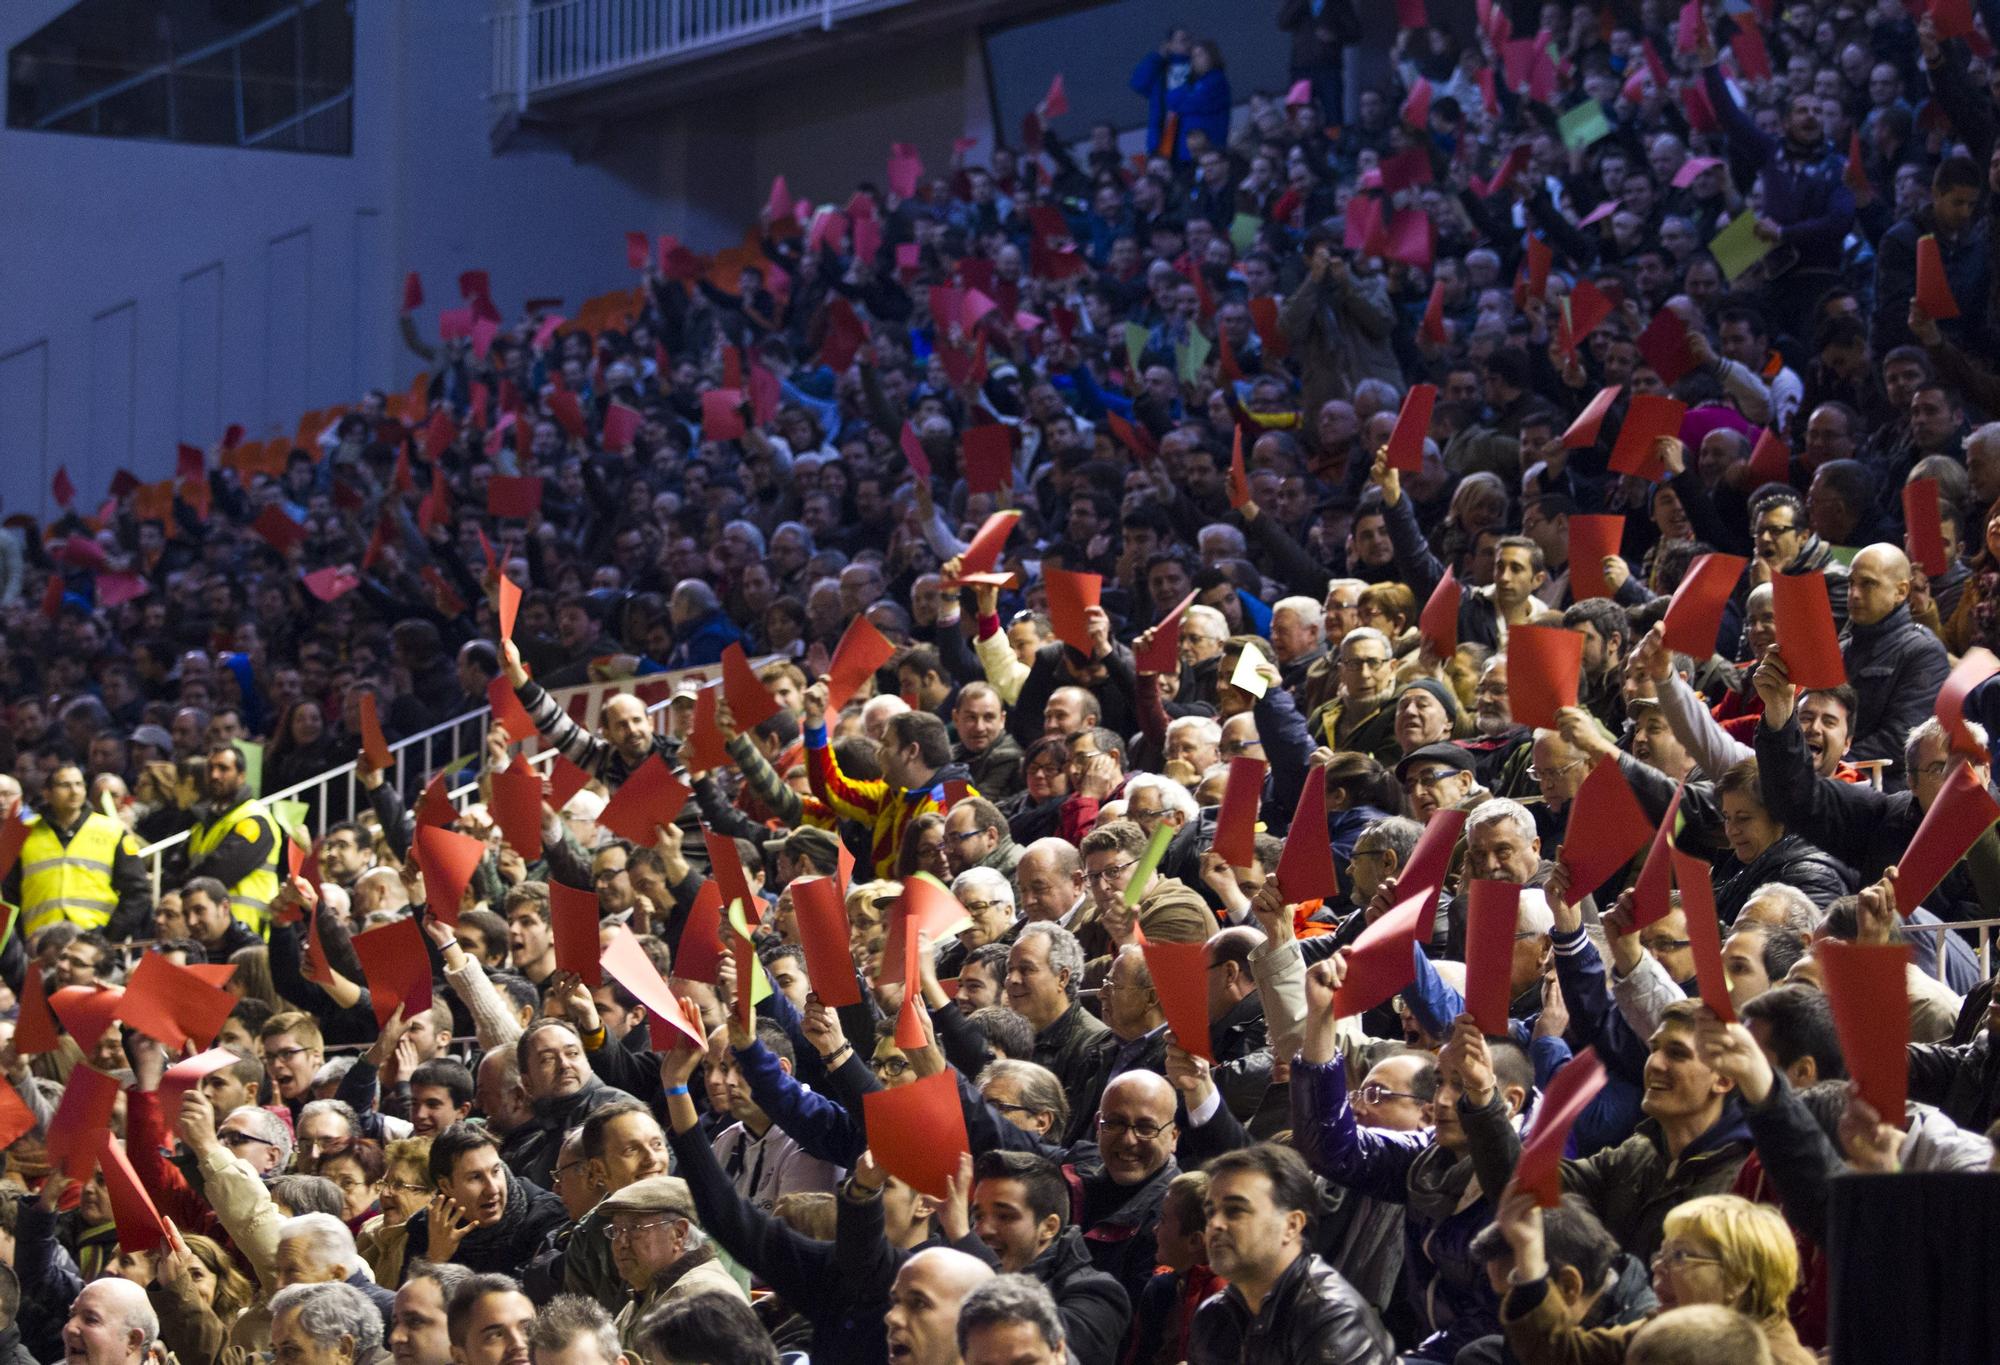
(561,1089)
(1500,748)
(235,840)
(1605,631)
(990,754)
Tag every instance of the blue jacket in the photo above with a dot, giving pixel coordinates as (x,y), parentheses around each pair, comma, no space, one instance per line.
(1201,102)
(823,1128)
(1154,77)
(703,641)
(1805,190)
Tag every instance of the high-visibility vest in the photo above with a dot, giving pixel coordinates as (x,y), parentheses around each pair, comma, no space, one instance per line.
(249,899)
(69,882)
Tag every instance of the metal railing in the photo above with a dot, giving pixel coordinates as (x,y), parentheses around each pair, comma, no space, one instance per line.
(1986,928)
(543,47)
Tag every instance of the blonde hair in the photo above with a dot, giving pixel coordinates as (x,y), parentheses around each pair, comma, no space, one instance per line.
(865,901)
(302,1026)
(409,1151)
(1753,1243)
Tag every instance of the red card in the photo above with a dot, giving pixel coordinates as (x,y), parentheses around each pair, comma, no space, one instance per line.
(1413,425)
(282,533)
(374,745)
(1704,933)
(1748,45)
(1933,287)
(1071,595)
(1691,170)
(1963,811)
(1591,538)
(140,1227)
(621,426)
(475,284)
(1695,614)
(86,1011)
(1432,327)
(699,953)
(1648,418)
(1416,111)
(511,496)
(517,808)
(1770,459)
(1438,623)
(1926,526)
(62,487)
(171,1004)
(15,1120)
(1136,439)
(184,1076)
(1542,667)
(1410,14)
(1428,862)
(1382,961)
(507,709)
(1180,980)
(638,251)
(83,1113)
(565,781)
(434,806)
(1607,826)
(1411,238)
(1563,1102)
(1305,870)
(413,291)
(13,834)
(916,1132)
(862,650)
(1664,345)
(1807,639)
(650,797)
(1651,892)
(35,1031)
(1953,18)
(1597,215)
(1236,822)
(448,859)
(1540,260)
(1687,33)
(624,960)
(1239,477)
(567,412)
(914,453)
(778,206)
(573,922)
(725,869)
(1493,910)
(1973,669)
(988,542)
(988,453)
(1867,984)
(722,415)
(510,606)
(823,933)
(398,970)
(749,700)
(1164,654)
(328,585)
(1588,308)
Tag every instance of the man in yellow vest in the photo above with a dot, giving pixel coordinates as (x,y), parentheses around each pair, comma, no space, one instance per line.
(79,865)
(235,840)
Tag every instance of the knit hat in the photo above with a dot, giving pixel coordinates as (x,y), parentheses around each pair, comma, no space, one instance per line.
(1438,690)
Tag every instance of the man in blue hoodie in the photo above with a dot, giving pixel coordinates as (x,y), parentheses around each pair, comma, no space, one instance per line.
(1159,72)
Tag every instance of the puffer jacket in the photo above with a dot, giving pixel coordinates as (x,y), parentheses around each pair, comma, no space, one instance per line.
(1792,860)
(507,1246)
(1095,1308)
(1312,1316)
(530,1150)
(1896,668)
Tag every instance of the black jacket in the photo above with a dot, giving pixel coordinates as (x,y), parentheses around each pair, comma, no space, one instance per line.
(1962,1081)
(508,1246)
(1791,860)
(1072,1047)
(1896,668)
(530,1150)
(1120,1222)
(1095,1308)
(1312,1316)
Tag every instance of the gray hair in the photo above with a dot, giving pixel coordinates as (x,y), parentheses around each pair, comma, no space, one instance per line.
(567,1317)
(1305,608)
(325,1236)
(1206,729)
(297,1194)
(335,1070)
(446,1275)
(1227,535)
(1008,1299)
(1040,1089)
(268,1126)
(1364,633)
(1172,794)
(339,1108)
(1214,625)
(750,529)
(1384,393)
(1065,953)
(1933,728)
(1498,808)
(1802,917)
(1987,435)
(985,879)
(797,528)
(328,1312)
(1395,832)
(693,595)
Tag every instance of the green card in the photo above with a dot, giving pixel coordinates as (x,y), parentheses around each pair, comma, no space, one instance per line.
(760,985)
(1193,354)
(1844,553)
(253,764)
(1135,345)
(1583,125)
(1149,862)
(1243,232)
(291,817)
(1738,247)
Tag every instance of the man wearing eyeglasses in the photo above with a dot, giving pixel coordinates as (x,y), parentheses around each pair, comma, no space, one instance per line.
(1783,543)
(1360,717)
(1437,777)
(1165,908)
(661,1251)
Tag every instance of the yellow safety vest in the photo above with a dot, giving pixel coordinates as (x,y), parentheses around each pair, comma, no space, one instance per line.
(250,898)
(69,882)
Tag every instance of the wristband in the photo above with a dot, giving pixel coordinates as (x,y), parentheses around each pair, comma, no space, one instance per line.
(677,1090)
(447,945)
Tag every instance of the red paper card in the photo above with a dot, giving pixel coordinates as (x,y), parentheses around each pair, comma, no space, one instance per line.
(328,585)
(13,834)
(988,454)
(1428,863)
(83,1113)
(821,915)
(140,1227)
(448,859)
(1180,980)
(1163,655)
(621,427)
(649,798)
(86,1011)
(1239,477)
(398,970)
(1933,286)
(1652,891)
(1664,345)
(1540,260)
(434,806)
(1962,811)
(573,922)
(1607,826)
(1432,327)
(565,781)
(750,701)
(1591,538)
(1588,308)
(517,808)
(624,960)
(914,453)
(1695,613)
(1807,639)
(1867,984)
(510,606)
(171,1004)
(182,1077)
(638,251)
(1953,18)
(1413,425)
(1575,1085)
(374,745)
(1236,822)
(1438,623)
(1305,870)
(1973,669)
(725,869)
(1583,431)
(413,291)
(507,709)
(282,533)
(1493,910)
(987,543)
(1382,960)
(862,650)
(1543,663)
(563,406)
(1648,418)
(1704,933)
(15,1120)
(1071,595)
(916,1132)
(1926,527)
(511,496)
(722,415)
(705,750)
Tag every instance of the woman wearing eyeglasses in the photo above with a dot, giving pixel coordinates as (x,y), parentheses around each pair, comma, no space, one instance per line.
(1719,1249)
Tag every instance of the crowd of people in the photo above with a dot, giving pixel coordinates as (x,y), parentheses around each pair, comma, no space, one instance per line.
(941,960)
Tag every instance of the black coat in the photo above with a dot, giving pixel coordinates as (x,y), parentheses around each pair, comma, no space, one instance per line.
(1791,860)
(508,1246)
(530,1150)
(1095,1308)
(1896,667)
(1312,1316)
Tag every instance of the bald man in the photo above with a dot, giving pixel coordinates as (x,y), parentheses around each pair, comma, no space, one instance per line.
(110,1323)
(1895,665)
(922,1321)
(1136,1133)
